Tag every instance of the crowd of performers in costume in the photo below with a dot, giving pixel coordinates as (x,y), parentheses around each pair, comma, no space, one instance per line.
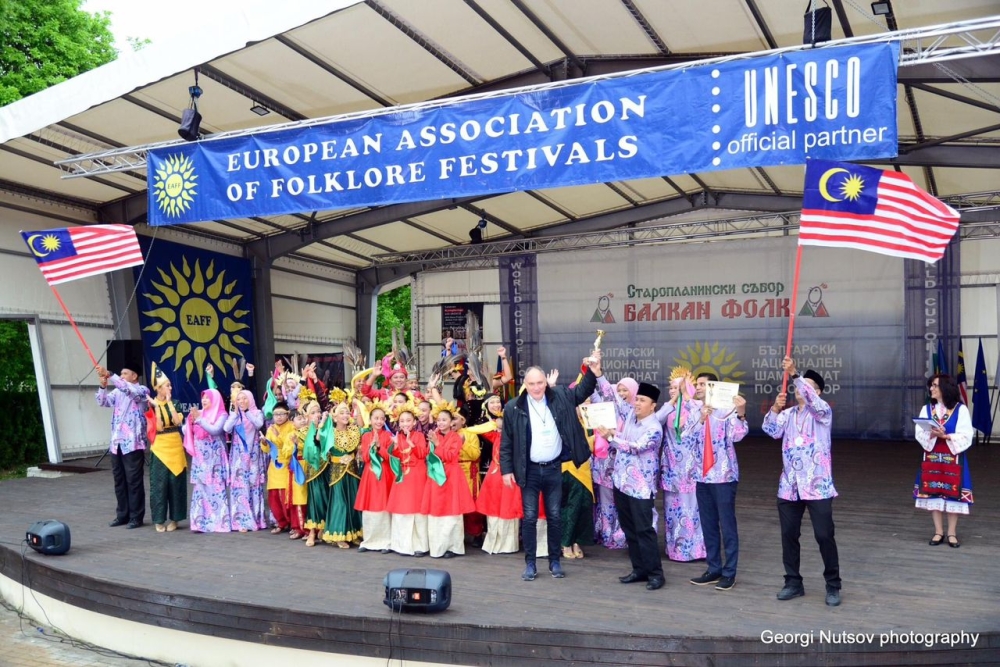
(402,469)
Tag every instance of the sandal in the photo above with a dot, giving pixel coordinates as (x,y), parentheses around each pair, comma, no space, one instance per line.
(936,539)
(277,530)
(343,545)
(568,552)
(311,540)
(295,535)
(953,542)
(577,551)
(160,528)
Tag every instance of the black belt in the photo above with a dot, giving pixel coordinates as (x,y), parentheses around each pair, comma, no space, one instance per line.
(172,429)
(545,463)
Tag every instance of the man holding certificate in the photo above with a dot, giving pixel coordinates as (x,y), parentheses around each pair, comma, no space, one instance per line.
(637,462)
(723,423)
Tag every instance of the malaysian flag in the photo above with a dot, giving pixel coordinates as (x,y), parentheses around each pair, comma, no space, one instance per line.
(849,206)
(77,252)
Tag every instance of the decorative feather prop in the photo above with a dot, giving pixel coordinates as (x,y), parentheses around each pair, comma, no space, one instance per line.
(354,356)
(478,372)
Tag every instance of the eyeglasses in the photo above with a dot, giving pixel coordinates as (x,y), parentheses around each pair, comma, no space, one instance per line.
(935,384)
(279,414)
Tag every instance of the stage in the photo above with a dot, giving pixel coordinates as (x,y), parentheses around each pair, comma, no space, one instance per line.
(265,589)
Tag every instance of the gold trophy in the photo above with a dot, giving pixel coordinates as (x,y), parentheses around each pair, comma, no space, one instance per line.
(597,345)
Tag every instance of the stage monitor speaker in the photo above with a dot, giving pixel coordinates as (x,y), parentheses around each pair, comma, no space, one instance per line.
(48,537)
(126,354)
(417,590)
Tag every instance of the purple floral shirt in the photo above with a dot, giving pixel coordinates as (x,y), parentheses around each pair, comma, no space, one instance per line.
(677,460)
(637,448)
(128,421)
(727,429)
(805,447)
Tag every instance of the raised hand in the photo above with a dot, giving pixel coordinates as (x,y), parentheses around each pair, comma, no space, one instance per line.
(779,402)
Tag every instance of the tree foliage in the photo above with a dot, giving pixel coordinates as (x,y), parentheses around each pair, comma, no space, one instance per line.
(21,418)
(17,372)
(393,311)
(43,42)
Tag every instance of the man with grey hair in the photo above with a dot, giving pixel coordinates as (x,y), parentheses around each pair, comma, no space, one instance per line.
(540,431)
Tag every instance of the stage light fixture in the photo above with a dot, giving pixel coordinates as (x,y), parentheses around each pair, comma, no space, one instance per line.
(260,109)
(190,127)
(476,233)
(883,8)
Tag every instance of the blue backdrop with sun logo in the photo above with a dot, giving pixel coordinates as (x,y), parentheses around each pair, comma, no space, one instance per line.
(194,310)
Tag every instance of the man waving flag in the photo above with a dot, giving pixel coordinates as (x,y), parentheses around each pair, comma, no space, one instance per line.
(849,206)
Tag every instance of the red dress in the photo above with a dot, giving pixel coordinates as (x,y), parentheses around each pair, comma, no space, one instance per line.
(373,493)
(496,499)
(407,495)
(452,498)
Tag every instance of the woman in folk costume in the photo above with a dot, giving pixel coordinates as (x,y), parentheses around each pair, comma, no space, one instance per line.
(446,496)
(247,497)
(607,529)
(168,465)
(501,504)
(343,522)
(944,485)
(407,460)
(397,381)
(203,439)
(317,469)
(468,459)
(684,540)
(292,456)
(272,446)
(376,483)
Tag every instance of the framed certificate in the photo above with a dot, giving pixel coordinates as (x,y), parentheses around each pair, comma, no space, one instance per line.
(600,414)
(720,395)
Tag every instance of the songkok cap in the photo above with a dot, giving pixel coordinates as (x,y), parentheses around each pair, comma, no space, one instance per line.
(815,377)
(649,391)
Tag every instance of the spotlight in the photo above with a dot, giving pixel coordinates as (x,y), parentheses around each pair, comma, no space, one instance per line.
(260,109)
(476,234)
(190,119)
(882,8)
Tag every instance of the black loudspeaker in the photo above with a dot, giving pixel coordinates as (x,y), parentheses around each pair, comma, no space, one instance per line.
(824,25)
(417,590)
(190,125)
(48,537)
(125,354)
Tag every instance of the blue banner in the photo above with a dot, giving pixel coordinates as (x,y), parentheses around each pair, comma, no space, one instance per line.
(837,103)
(194,310)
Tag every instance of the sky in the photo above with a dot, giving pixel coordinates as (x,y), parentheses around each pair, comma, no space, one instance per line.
(159,21)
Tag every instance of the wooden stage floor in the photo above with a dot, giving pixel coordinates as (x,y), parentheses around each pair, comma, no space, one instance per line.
(263,588)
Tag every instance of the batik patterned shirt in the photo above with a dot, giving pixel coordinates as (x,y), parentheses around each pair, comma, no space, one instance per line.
(128,419)
(807,472)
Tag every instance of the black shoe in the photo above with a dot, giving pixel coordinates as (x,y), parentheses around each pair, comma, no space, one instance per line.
(362,550)
(117,522)
(833,597)
(953,542)
(789,592)
(419,554)
(706,579)
(655,583)
(133,524)
(936,539)
(725,584)
(632,577)
(555,569)
(448,554)
(385,551)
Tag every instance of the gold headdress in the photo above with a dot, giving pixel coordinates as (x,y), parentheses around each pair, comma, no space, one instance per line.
(379,405)
(338,395)
(288,375)
(396,410)
(443,406)
(679,372)
(307,395)
(159,379)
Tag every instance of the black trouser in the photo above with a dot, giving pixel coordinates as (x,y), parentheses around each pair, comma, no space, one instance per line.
(546,479)
(636,518)
(130,489)
(821,514)
(717,510)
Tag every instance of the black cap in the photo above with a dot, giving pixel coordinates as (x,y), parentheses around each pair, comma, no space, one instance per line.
(649,391)
(815,377)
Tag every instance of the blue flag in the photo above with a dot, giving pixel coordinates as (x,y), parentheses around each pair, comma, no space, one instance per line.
(941,363)
(982,419)
(274,454)
(296,467)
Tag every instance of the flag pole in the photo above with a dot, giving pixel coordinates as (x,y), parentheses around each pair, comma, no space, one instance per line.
(75,328)
(791,313)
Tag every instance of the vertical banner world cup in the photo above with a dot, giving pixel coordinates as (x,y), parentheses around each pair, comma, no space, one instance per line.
(195,310)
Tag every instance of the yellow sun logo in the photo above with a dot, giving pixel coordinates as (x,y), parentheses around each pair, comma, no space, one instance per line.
(197,324)
(852,187)
(51,243)
(710,359)
(174,185)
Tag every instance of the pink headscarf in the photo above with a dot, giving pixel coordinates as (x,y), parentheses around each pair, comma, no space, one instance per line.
(215,411)
(248,426)
(631,385)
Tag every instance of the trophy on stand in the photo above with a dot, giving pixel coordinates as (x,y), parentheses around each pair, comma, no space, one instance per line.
(597,345)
